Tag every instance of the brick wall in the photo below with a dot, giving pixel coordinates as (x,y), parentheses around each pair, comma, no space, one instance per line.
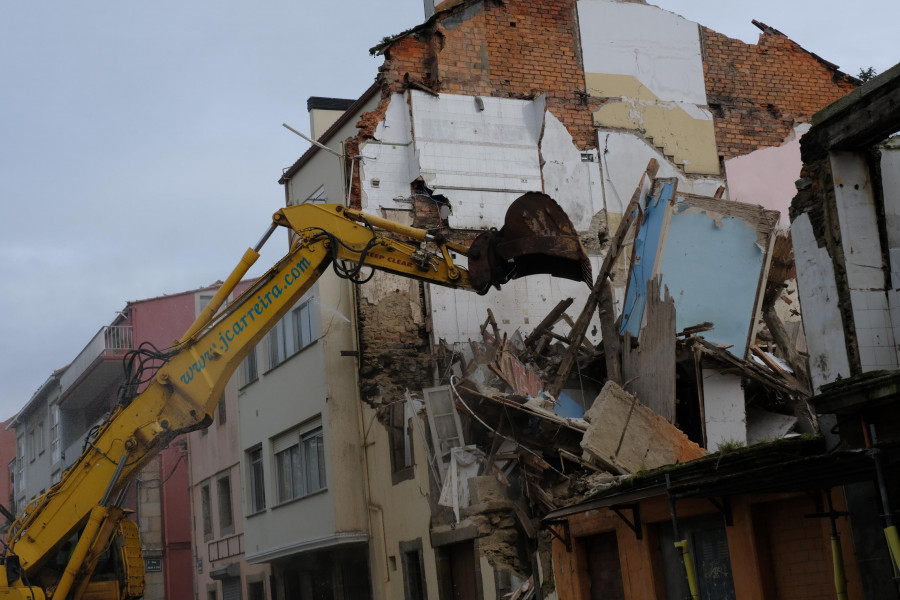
(516,49)
(800,550)
(757,93)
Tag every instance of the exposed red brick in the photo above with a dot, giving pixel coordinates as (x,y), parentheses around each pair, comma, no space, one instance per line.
(759,92)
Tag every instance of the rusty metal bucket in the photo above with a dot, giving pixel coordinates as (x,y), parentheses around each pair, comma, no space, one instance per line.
(537,237)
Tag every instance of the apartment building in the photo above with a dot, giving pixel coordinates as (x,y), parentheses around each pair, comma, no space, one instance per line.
(478,105)
(63,414)
(221,571)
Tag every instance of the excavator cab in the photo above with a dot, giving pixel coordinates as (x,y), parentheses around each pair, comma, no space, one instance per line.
(537,237)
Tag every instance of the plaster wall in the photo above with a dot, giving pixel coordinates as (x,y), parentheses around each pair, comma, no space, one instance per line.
(399,512)
(890,189)
(766,177)
(389,160)
(292,393)
(624,158)
(482,159)
(855,201)
(647,63)
(723,400)
(521,304)
(710,259)
(819,301)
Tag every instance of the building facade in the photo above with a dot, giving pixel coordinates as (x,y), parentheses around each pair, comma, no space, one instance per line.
(481,103)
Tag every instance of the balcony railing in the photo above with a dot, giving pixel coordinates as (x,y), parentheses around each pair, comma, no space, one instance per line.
(230,546)
(109,341)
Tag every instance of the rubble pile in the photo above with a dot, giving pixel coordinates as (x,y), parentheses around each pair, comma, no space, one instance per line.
(558,416)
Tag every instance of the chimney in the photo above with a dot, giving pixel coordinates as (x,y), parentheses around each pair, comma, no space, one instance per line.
(323,112)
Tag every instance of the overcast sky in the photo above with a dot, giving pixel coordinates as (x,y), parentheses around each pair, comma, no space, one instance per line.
(141,143)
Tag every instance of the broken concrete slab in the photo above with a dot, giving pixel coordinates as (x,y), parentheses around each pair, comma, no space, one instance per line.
(625,436)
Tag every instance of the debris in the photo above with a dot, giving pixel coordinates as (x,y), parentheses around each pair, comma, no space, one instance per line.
(625,436)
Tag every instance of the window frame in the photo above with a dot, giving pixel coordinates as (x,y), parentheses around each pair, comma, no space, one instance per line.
(256,484)
(249,368)
(293,333)
(206,520)
(291,456)
(225,505)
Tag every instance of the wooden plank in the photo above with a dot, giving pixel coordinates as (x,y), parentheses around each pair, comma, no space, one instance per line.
(581,324)
(654,356)
(549,321)
(611,342)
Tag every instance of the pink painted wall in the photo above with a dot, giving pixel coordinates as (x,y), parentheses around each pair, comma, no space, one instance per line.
(161,321)
(766,177)
(176,523)
(7,453)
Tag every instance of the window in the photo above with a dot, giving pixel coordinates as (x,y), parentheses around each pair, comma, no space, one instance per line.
(203,299)
(256,590)
(20,476)
(226,516)
(55,450)
(249,372)
(40,438)
(32,447)
(56,476)
(400,436)
(257,480)
(413,570)
(206,510)
(299,463)
(292,333)
(222,411)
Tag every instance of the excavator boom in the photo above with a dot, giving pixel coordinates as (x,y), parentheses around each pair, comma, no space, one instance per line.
(537,237)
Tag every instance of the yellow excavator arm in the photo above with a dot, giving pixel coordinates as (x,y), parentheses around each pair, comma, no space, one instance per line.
(186,389)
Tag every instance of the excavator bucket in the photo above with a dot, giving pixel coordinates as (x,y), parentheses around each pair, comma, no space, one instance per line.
(537,237)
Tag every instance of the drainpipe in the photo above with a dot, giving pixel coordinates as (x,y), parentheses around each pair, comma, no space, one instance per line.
(837,554)
(890,529)
(682,546)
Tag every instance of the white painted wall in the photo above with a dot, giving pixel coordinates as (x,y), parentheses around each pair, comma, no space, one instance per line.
(861,243)
(659,47)
(890,187)
(818,300)
(624,157)
(723,399)
(457,316)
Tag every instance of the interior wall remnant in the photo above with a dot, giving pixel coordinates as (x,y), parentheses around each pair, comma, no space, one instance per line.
(623,158)
(571,177)
(711,254)
(387,161)
(828,359)
(864,261)
(890,189)
(723,402)
(457,316)
(647,64)
(766,176)
(481,155)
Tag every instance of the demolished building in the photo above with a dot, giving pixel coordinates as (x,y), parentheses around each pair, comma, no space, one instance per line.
(473,418)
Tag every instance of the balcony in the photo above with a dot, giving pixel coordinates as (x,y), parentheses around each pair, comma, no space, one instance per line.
(226,547)
(96,367)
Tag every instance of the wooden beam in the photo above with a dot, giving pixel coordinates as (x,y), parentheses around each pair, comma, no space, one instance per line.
(615,246)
